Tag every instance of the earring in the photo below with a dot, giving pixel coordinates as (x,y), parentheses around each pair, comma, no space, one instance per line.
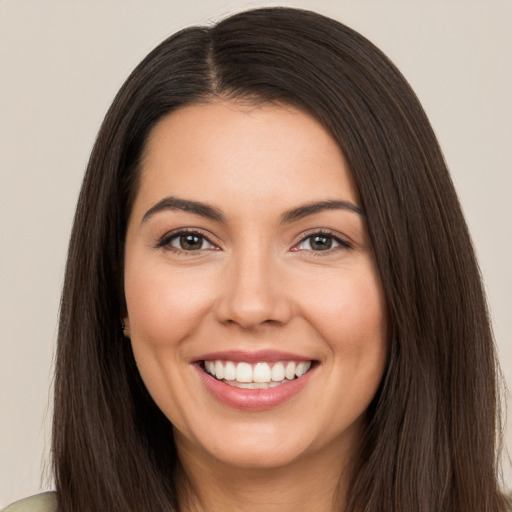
(124,328)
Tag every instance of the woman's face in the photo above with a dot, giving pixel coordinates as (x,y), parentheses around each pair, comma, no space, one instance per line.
(248,263)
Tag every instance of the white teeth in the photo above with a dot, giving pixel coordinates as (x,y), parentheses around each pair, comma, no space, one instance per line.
(230,371)
(255,385)
(290,371)
(219,370)
(278,372)
(243,372)
(301,369)
(243,385)
(260,375)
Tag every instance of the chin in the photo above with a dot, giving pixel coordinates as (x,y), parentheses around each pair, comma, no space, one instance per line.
(259,445)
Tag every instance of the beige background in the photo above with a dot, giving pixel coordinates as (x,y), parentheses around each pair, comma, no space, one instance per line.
(61,62)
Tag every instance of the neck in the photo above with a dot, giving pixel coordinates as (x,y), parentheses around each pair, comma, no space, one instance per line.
(314,484)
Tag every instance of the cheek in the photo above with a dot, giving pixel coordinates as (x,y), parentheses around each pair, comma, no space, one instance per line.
(164,305)
(350,311)
(350,315)
(164,308)
(352,320)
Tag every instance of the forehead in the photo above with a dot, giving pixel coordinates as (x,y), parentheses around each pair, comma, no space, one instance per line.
(257,154)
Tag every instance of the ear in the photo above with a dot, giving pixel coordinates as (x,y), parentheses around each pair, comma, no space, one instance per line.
(125,326)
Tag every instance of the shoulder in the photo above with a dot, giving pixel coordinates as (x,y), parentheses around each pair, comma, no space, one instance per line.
(45,502)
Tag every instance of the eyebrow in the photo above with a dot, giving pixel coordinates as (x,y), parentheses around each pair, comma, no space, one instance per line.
(185,205)
(210,212)
(317,207)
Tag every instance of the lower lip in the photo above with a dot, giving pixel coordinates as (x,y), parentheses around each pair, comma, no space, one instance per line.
(253,399)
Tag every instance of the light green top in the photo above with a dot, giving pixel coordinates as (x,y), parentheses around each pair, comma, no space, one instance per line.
(45,502)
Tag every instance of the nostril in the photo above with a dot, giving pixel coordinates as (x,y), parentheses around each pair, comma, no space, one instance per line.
(256,313)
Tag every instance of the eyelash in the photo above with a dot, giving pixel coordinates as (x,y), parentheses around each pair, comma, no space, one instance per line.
(166,240)
(326,233)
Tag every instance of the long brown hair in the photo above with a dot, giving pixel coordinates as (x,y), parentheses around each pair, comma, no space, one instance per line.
(430,445)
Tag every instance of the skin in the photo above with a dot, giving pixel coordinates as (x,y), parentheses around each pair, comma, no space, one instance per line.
(255,283)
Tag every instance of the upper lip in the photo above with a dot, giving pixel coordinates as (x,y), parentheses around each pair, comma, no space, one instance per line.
(251,357)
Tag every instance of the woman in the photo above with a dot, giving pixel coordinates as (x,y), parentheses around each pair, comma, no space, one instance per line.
(271,300)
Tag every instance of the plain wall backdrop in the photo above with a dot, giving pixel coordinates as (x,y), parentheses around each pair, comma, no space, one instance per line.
(61,62)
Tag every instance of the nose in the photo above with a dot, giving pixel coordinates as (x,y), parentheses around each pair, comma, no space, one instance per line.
(254,292)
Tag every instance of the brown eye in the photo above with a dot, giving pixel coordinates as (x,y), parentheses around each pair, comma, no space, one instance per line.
(318,242)
(190,242)
(187,241)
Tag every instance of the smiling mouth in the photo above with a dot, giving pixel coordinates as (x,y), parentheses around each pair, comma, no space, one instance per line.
(259,375)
